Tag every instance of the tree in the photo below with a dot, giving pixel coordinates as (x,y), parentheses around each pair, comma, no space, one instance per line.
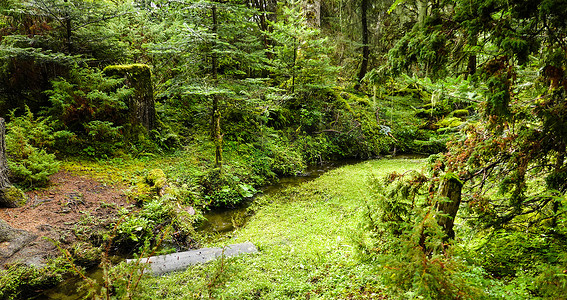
(9,195)
(365,46)
(42,40)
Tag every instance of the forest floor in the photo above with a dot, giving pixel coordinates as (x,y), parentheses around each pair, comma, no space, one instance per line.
(57,212)
(306,240)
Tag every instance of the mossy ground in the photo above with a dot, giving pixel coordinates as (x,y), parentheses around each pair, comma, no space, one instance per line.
(304,239)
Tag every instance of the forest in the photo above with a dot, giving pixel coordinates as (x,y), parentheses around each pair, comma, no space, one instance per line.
(394,149)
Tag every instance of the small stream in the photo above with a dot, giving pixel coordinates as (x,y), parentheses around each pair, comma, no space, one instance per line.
(221,222)
(218,224)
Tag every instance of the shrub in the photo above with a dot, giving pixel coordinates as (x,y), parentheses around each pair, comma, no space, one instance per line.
(27,139)
(402,235)
(20,281)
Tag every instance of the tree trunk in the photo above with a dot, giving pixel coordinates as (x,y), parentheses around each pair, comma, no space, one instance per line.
(471,65)
(141,106)
(266,16)
(10,196)
(448,208)
(365,46)
(313,13)
(216,115)
(68,31)
(4,172)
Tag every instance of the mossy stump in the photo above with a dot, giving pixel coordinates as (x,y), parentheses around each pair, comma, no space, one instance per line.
(141,105)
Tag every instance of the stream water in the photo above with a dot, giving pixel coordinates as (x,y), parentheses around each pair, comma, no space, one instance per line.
(221,222)
(218,224)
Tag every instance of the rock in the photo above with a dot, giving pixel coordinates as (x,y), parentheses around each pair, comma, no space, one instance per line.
(12,240)
(157,180)
(180,261)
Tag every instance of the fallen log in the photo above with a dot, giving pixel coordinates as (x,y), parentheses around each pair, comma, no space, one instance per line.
(180,261)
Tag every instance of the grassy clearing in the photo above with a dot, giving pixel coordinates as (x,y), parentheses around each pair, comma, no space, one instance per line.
(304,237)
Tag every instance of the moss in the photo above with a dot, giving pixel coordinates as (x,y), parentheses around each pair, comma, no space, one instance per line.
(14,197)
(449,122)
(86,255)
(460,113)
(21,281)
(121,70)
(424,113)
(156,179)
(431,146)
(341,103)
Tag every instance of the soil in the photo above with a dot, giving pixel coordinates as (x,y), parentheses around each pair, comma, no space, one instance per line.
(63,212)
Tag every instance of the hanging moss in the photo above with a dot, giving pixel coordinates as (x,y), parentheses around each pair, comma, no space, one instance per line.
(141,106)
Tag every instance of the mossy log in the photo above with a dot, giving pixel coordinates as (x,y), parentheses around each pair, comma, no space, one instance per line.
(141,106)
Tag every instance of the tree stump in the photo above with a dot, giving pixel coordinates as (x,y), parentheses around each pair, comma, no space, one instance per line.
(141,106)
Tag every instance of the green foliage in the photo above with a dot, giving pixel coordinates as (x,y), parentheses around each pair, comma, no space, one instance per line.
(93,107)
(302,56)
(509,253)
(224,189)
(137,228)
(20,281)
(27,139)
(304,237)
(426,48)
(401,233)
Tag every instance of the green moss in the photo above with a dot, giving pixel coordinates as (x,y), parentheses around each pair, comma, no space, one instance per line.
(460,113)
(156,179)
(21,281)
(14,197)
(86,255)
(449,122)
(134,69)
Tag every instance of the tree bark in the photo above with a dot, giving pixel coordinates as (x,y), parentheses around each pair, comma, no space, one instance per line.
(216,115)
(68,30)
(10,196)
(471,65)
(313,13)
(4,172)
(141,106)
(365,46)
(447,210)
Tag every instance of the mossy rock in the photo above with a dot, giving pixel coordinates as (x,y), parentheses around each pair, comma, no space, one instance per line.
(156,179)
(13,197)
(86,255)
(431,146)
(424,113)
(449,122)
(460,113)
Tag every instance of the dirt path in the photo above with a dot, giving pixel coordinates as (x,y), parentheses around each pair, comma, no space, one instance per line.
(55,212)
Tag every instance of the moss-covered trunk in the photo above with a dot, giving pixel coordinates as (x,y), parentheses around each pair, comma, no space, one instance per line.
(448,208)
(141,105)
(10,196)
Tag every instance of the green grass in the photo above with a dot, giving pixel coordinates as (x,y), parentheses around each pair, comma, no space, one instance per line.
(304,239)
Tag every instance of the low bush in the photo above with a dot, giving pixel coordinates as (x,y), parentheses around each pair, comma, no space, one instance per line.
(27,141)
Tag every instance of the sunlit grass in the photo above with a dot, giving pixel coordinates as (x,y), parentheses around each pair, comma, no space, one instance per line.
(303,236)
